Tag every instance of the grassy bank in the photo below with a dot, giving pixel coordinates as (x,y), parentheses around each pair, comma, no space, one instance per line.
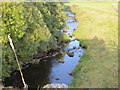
(98,30)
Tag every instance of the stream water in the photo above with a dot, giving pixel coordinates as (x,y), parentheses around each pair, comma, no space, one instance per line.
(50,70)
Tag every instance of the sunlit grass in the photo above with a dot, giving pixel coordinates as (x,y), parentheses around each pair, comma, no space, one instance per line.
(98,30)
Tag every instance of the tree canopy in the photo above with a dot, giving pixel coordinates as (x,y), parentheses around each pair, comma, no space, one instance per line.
(33,26)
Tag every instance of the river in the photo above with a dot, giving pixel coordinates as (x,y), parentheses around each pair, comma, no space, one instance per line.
(50,70)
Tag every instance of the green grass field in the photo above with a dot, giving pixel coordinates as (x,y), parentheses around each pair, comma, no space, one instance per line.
(98,30)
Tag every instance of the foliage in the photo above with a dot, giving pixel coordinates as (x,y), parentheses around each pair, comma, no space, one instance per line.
(53,16)
(30,26)
(64,38)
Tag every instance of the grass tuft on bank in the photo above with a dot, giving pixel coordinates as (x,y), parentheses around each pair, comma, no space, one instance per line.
(98,30)
(64,38)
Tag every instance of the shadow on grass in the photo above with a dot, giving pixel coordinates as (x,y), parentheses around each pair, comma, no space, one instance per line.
(98,67)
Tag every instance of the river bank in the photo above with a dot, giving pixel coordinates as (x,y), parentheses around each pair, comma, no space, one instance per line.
(98,30)
(45,71)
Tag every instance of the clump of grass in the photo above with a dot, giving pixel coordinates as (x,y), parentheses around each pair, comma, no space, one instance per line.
(98,67)
(64,38)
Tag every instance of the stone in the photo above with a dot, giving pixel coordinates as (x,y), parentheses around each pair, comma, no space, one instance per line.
(57,79)
(61,61)
(71,73)
(79,56)
(70,36)
(64,31)
(77,39)
(35,61)
(55,85)
(68,50)
(74,29)
(74,47)
(84,47)
(70,54)
(68,33)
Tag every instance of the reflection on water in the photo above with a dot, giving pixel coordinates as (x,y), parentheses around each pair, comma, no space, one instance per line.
(48,70)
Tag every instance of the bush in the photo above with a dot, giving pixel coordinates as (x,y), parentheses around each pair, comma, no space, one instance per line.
(34,27)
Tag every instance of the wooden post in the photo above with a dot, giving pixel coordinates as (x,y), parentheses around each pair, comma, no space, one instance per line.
(11,44)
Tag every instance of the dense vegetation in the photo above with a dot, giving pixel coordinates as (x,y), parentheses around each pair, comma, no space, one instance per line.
(33,27)
(98,30)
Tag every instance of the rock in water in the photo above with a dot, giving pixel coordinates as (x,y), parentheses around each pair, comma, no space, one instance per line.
(70,36)
(74,47)
(70,73)
(61,61)
(70,54)
(57,79)
(55,85)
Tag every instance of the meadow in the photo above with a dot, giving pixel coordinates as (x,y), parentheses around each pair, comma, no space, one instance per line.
(98,31)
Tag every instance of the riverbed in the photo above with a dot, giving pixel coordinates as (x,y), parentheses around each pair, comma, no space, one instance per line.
(51,70)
